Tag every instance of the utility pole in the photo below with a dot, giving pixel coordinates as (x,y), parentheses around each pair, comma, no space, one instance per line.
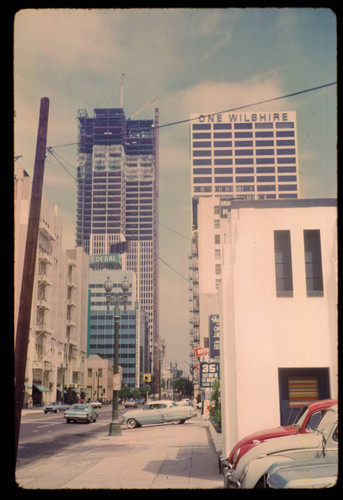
(24,312)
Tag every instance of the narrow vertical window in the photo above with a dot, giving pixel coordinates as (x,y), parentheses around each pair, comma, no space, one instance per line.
(313,263)
(283,264)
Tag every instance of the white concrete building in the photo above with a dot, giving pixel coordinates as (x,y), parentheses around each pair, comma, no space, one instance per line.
(278,312)
(99,378)
(58,325)
(75,301)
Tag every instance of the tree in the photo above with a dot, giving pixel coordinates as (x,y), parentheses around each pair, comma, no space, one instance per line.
(183,387)
(215,407)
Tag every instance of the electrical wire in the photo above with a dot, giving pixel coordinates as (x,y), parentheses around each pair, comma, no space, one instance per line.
(54,155)
(170,267)
(59,159)
(248,105)
(265,101)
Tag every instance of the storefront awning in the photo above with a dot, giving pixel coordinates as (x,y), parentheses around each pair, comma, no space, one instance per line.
(40,387)
(60,390)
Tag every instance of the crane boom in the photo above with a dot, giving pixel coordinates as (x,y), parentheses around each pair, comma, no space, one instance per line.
(145,106)
(122,91)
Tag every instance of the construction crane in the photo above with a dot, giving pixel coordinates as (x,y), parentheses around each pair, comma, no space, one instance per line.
(122,91)
(145,106)
(122,98)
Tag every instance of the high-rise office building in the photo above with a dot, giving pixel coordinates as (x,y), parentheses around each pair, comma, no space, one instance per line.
(246,155)
(249,154)
(117,198)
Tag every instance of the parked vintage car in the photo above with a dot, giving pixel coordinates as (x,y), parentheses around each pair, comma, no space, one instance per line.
(158,412)
(323,441)
(55,407)
(305,421)
(81,412)
(131,403)
(316,473)
(96,404)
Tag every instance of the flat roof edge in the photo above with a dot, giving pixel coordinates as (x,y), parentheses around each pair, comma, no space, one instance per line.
(285,203)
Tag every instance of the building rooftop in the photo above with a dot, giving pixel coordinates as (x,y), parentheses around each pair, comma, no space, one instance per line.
(285,203)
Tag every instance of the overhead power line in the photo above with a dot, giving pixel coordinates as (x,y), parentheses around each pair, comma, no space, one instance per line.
(244,106)
(60,160)
(170,267)
(265,101)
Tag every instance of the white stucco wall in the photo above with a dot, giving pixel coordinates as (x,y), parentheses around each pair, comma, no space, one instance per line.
(262,332)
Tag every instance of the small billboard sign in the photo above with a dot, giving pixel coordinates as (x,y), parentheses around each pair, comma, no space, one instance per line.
(209,371)
(201,351)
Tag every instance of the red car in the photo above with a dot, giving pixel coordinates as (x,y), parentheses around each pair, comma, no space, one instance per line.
(306,420)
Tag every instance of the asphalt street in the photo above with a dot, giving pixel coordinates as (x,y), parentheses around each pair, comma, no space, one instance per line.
(83,456)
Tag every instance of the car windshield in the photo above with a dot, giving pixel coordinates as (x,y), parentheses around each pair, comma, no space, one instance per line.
(150,407)
(326,423)
(301,416)
(79,407)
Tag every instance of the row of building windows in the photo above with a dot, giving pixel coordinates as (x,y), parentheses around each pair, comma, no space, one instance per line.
(244,161)
(260,187)
(205,190)
(243,135)
(122,336)
(109,326)
(97,347)
(244,152)
(238,144)
(246,125)
(243,170)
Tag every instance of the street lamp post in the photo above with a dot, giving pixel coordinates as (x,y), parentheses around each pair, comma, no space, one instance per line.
(115,425)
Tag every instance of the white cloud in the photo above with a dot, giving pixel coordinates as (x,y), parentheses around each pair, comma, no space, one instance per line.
(213,96)
(222,42)
(307,155)
(64,38)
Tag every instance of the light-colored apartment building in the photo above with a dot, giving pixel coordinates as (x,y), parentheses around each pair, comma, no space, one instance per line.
(58,329)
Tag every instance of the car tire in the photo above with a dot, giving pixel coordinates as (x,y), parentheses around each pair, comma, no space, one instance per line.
(176,422)
(68,420)
(131,423)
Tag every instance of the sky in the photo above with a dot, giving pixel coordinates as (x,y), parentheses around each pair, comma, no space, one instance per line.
(195,61)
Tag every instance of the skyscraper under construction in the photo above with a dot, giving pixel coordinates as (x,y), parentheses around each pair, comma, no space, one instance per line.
(117,199)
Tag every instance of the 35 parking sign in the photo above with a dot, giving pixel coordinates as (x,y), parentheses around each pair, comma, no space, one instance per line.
(209,371)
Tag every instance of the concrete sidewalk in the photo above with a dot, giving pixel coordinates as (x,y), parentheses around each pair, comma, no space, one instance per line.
(151,457)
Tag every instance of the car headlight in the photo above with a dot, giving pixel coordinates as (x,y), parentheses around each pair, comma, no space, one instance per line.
(235,456)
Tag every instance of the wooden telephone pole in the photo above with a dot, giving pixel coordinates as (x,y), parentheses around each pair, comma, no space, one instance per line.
(24,313)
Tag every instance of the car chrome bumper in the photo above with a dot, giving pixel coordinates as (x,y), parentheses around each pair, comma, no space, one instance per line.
(230,482)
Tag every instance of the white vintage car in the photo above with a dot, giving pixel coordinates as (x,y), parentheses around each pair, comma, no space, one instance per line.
(322,442)
(157,412)
(298,474)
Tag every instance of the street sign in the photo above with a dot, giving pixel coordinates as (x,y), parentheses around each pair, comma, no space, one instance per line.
(209,371)
(117,381)
(201,351)
(214,334)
